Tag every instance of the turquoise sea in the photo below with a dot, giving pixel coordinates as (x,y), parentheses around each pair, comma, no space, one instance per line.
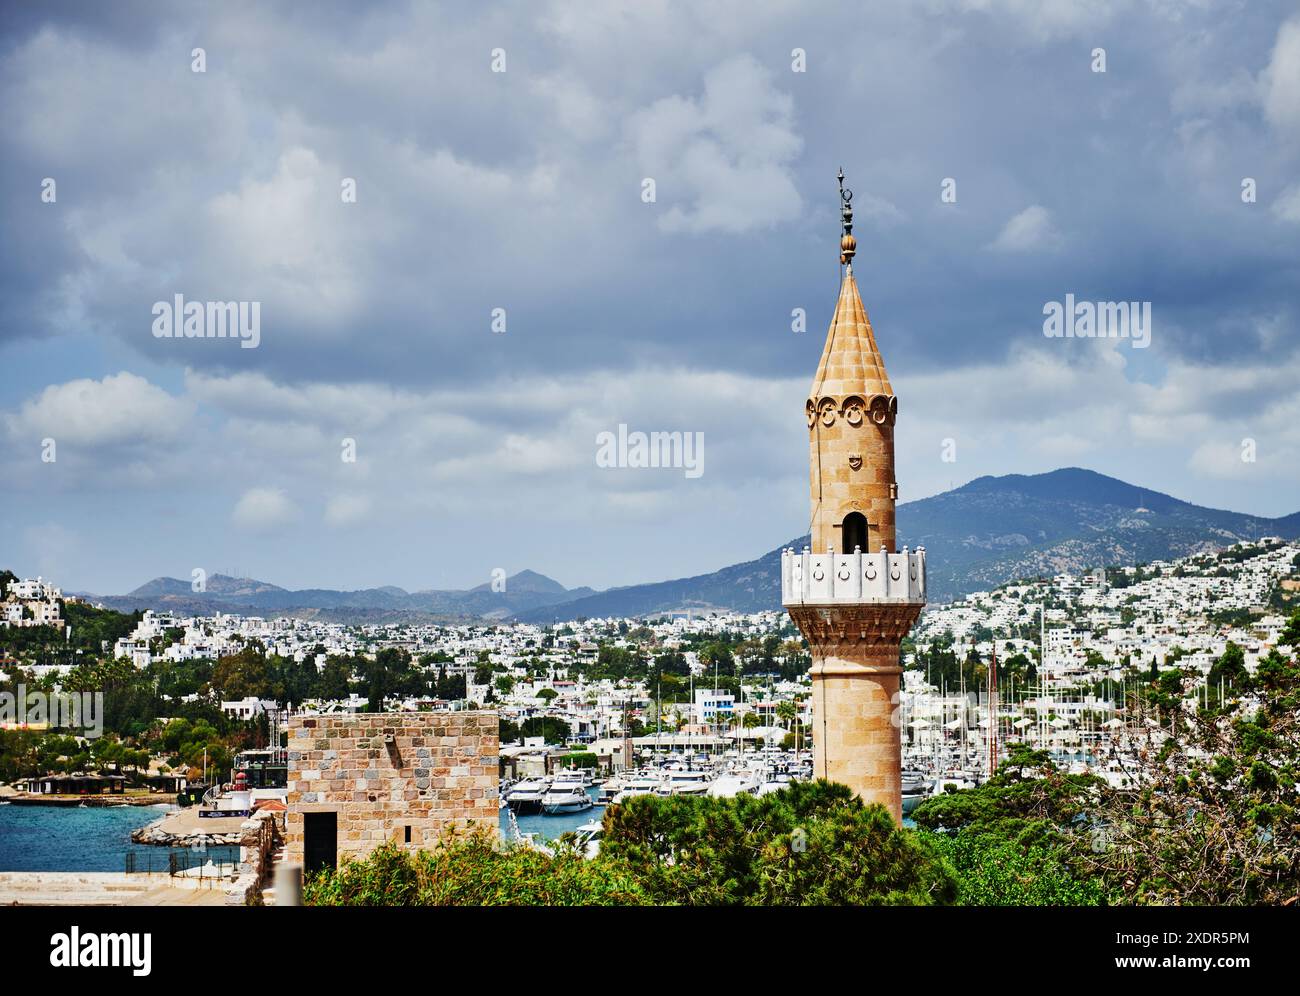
(550,827)
(75,838)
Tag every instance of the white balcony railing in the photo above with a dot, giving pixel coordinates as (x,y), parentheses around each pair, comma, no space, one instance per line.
(809,578)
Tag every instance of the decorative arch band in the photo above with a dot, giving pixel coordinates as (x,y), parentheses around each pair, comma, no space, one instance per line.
(881,409)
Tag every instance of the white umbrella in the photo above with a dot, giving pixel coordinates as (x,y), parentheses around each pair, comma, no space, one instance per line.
(919,724)
(1058,722)
(954,725)
(1113,723)
(1020,724)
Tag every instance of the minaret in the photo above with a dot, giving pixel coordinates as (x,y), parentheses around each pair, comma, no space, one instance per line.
(854,606)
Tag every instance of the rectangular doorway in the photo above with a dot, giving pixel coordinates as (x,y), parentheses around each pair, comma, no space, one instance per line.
(320,841)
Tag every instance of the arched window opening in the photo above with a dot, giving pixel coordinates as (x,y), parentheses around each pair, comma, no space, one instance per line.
(855,532)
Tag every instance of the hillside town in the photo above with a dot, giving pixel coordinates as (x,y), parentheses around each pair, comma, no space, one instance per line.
(32,602)
(719,679)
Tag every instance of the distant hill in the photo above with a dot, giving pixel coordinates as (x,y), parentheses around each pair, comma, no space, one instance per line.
(997,529)
(247,596)
(747,587)
(985,533)
(530,581)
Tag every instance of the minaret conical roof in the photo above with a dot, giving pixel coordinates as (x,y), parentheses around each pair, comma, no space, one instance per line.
(851,362)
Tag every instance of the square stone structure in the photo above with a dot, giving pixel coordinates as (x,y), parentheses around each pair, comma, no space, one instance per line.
(356,781)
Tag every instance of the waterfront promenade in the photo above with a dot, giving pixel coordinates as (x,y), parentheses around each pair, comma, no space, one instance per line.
(103,889)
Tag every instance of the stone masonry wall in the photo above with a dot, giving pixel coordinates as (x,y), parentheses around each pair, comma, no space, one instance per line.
(384,772)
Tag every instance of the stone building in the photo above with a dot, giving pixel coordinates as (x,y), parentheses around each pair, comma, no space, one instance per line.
(853,605)
(356,781)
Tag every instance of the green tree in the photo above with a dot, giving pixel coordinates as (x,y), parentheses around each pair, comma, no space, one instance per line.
(813,843)
(246,673)
(389,675)
(335,679)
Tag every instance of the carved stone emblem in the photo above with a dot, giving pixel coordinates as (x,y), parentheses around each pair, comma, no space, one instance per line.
(880,409)
(853,410)
(855,461)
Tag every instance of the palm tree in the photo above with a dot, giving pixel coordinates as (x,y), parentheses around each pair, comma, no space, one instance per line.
(723,721)
(786,712)
(749,721)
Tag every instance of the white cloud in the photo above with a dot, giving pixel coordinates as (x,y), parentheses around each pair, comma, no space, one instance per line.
(1221,459)
(1280,82)
(1287,205)
(721,162)
(347,510)
(1032,230)
(122,408)
(264,510)
(1062,401)
(291,232)
(1043,20)
(883,212)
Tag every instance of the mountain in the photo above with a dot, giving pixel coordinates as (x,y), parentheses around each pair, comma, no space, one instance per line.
(529,581)
(997,529)
(985,533)
(247,596)
(749,587)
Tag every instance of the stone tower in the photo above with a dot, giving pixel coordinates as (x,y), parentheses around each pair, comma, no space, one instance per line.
(854,606)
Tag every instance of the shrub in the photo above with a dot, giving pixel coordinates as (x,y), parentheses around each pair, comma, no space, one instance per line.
(1003,873)
(472,870)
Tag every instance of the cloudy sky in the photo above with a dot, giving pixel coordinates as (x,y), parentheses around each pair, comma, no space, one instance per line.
(523,190)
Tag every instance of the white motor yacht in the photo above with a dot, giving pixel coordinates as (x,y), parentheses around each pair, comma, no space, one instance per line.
(685,782)
(914,781)
(571,776)
(565,797)
(526,796)
(588,838)
(775,783)
(609,788)
(735,783)
(638,784)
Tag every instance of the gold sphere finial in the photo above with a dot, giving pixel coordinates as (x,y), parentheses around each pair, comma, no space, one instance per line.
(848,244)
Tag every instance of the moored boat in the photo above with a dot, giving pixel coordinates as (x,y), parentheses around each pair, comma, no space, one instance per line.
(565,797)
(525,798)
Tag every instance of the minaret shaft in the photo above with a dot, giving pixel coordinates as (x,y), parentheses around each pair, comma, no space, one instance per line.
(853,596)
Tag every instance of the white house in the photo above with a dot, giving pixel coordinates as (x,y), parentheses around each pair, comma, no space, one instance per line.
(710,706)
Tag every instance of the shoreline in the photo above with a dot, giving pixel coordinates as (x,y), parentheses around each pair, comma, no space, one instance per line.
(77,801)
(185,828)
